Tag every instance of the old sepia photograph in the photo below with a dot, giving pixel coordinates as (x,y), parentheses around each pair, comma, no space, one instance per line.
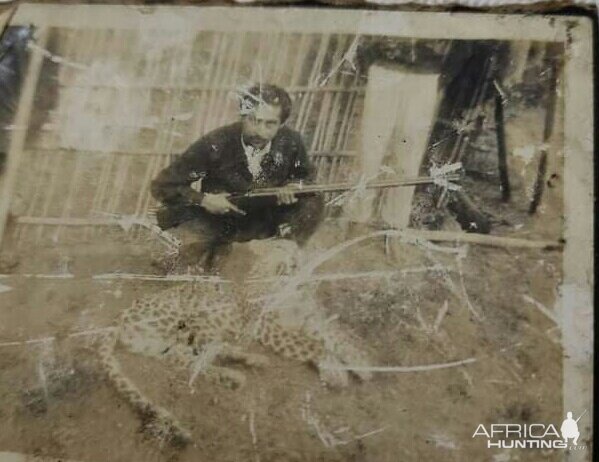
(244,234)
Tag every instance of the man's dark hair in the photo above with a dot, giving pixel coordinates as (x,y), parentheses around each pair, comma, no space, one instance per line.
(269,94)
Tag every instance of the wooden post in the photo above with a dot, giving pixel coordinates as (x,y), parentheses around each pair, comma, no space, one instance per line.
(21,124)
(539,185)
(504,179)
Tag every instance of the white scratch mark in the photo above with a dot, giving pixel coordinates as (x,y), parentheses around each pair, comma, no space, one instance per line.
(477,315)
(45,358)
(542,308)
(252,425)
(42,376)
(100,330)
(440,316)
(312,420)
(206,357)
(362,436)
(55,58)
(316,278)
(422,368)
(348,57)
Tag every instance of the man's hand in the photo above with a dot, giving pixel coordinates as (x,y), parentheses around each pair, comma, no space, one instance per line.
(286,195)
(219,204)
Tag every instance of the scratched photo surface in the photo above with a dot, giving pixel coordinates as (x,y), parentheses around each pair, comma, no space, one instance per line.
(396,289)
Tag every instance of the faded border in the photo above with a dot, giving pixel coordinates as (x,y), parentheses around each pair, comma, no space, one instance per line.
(575,32)
(577,290)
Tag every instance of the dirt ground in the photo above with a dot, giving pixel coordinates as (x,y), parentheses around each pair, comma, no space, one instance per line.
(407,304)
(56,402)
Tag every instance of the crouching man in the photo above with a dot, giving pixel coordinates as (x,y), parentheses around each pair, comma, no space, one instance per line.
(258,151)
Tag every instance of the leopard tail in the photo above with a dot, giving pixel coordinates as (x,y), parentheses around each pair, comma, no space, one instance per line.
(157,420)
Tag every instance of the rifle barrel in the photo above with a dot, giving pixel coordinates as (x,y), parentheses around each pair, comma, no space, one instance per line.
(585,411)
(339,187)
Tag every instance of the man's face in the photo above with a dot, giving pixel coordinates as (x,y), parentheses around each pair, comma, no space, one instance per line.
(261,125)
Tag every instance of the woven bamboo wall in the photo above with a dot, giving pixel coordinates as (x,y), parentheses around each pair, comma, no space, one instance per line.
(115,106)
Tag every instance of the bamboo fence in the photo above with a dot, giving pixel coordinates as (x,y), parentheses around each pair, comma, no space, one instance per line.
(114,107)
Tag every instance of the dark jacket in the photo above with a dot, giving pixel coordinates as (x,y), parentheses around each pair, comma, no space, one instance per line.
(219,161)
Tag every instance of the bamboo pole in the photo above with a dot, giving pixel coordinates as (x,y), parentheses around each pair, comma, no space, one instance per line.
(333,112)
(159,142)
(200,120)
(274,40)
(328,111)
(504,179)
(475,102)
(232,76)
(115,184)
(350,124)
(333,169)
(216,76)
(220,96)
(50,192)
(296,74)
(154,163)
(343,131)
(53,172)
(232,59)
(332,126)
(320,123)
(152,75)
(306,105)
(30,155)
(37,194)
(124,163)
(345,120)
(150,154)
(483,239)
(79,52)
(144,200)
(256,75)
(182,62)
(317,72)
(208,87)
(18,136)
(106,160)
(75,177)
(458,237)
(282,57)
(162,140)
(539,185)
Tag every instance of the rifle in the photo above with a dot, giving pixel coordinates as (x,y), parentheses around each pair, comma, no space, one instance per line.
(585,411)
(346,186)
(441,176)
(261,197)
